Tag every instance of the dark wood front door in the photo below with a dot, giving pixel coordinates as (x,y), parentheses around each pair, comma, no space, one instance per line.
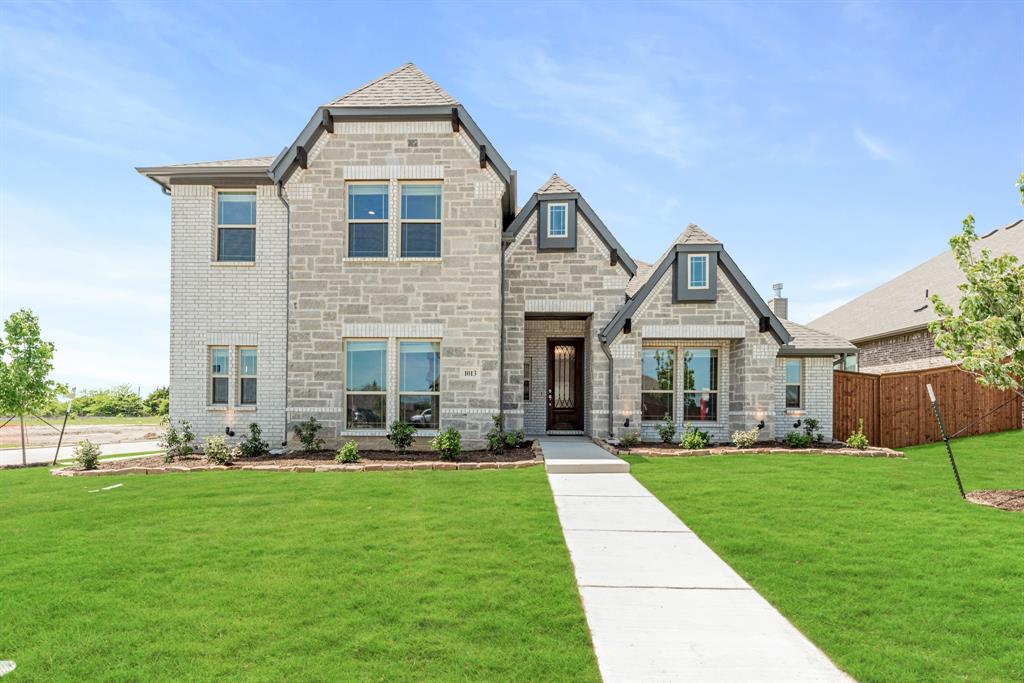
(565,384)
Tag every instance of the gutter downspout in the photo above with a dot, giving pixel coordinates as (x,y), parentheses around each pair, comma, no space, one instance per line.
(611,386)
(287,300)
(501,329)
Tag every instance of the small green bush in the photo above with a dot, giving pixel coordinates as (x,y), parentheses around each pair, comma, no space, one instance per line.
(401,435)
(630,438)
(253,445)
(811,426)
(348,452)
(178,442)
(87,454)
(447,444)
(694,438)
(515,439)
(667,430)
(798,440)
(858,439)
(497,437)
(745,438)
(308,433)
(217,450)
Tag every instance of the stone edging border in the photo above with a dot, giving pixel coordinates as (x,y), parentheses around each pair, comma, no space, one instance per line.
(730,450)
(354,467)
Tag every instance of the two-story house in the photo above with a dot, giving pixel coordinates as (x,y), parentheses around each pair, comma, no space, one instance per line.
(379,268)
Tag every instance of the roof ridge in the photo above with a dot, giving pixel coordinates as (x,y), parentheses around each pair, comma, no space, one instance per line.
(555,183)
(413,70)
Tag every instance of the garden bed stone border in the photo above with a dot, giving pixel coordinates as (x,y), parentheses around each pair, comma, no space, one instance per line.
(538,459)
(871,452)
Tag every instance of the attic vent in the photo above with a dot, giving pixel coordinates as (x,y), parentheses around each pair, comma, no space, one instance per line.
(413,142)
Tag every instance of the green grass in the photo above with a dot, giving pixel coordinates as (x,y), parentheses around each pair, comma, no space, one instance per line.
(878,561)
(288,576)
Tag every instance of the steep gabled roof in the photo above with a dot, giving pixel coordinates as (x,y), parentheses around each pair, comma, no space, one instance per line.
(694,235)
(555,184)
(405,86)
(901,304)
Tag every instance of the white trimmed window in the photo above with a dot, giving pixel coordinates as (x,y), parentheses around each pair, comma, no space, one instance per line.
(558,220)
(247,376)
(657,383)
(419,383)
(421,220)
(366,384)
(698,271)
(367,220)
(236,225)
(794,369)
(219,379)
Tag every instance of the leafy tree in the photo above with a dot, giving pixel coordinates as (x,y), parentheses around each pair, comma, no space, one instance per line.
(25,365)
(119,401)
(986,335)
(158,401)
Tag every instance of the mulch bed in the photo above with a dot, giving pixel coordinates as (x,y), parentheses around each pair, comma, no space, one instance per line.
(830,448)
(1006,499)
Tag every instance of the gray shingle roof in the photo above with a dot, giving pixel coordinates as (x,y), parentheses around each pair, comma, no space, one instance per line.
(811,340)
(405,86)
(901,304)
(555,184)
(247,162)
(694,235)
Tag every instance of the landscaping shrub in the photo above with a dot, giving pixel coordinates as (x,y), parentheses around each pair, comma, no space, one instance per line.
(858,439)
(497,437)
(178,442)
(401,435)
(253,445)
(308,433)
(87,454)
(811,426)
(745,438)
(798,440)
(515,439)
(667,430)
(348,452)
(630,438)
(694,438)
(447,444)
(216,450)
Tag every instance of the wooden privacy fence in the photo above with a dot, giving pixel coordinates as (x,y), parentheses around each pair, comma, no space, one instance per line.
(897,413)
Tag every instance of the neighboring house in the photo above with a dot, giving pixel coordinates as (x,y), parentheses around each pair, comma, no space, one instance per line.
(379,268)
(889,324)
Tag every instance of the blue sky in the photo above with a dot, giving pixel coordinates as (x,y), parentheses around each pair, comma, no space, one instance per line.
(830,146)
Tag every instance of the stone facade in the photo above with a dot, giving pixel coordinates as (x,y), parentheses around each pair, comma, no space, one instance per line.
(227,305)
(899,348)
(453,299)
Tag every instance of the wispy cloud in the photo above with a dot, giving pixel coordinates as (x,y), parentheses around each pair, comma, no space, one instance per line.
(875,146)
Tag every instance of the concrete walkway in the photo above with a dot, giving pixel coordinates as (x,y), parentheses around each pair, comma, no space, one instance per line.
(578,455)
(661,605)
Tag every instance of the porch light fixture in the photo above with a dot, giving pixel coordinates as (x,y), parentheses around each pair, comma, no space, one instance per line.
(227,430)
(797,423)
(760,425)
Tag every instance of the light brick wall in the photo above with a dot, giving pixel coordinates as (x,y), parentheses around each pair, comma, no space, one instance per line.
(896,349)
(817,397)
(580,283)
(331,295)
(227,305)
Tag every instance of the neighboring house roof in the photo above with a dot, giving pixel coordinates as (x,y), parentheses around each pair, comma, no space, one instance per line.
(557,188)
(901,304)
(405,86)
(811,342)
(689,238)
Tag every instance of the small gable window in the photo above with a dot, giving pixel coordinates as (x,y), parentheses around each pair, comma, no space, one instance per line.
(557,220)
(698,271)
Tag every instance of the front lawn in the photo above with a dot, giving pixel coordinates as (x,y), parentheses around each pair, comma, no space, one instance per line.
(878,561)
(288,576)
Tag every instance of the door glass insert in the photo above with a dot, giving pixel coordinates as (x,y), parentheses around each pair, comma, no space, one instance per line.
(564,389)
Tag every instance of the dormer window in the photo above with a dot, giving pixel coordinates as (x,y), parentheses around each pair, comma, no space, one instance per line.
(698,271)
(557,220)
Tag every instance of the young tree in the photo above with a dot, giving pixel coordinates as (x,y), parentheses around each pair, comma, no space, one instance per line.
(25,364)
(986,336)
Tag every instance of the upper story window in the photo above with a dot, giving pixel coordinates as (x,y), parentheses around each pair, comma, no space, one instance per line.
(657,383)
(700,385)
(366,384)
(236,225)
(421,220)
(367,220)
(219,375)
(558,220)
(794,368)
(698,271)
(247,376)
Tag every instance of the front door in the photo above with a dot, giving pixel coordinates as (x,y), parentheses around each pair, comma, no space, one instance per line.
(565,384)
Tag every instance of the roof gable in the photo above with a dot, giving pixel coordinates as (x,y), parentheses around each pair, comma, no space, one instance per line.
(555,184)
(405,86)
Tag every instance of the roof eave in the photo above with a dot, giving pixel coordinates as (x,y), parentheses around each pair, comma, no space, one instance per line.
(790,351)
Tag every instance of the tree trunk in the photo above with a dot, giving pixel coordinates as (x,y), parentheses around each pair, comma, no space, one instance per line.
(21,419)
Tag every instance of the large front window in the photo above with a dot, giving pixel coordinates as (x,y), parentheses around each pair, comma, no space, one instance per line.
(367,220)
(419,383)
(657,383)
(236,226)
(421,220)
(366,384)
(700,385)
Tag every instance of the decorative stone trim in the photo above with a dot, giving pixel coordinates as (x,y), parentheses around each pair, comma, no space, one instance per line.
(368,467)
(393,172)
(559,306)
(693,331)
(232,339)
(731,450)
(366,330)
